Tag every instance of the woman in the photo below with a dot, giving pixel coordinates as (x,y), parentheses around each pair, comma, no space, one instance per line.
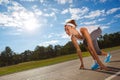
(70,28)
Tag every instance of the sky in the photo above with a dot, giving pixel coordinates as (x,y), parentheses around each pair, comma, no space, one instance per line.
(25,24)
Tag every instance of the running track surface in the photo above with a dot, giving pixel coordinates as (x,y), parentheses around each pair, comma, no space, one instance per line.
(70,71)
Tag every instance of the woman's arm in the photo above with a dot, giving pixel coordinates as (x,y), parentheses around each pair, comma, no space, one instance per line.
(75,43)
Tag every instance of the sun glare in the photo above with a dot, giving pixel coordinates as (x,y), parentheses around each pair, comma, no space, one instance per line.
(31,25)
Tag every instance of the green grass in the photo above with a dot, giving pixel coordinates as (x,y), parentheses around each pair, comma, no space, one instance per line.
(41,63)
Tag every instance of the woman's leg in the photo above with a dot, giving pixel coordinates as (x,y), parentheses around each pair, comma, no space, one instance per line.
(87,48)
(97,48)
(103,53)
(86,35)
(94,35)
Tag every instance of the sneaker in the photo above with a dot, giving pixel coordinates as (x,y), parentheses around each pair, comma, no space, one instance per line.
(107,59)
(95,66)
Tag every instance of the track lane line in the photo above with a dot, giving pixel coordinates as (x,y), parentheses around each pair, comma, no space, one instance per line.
(112,76)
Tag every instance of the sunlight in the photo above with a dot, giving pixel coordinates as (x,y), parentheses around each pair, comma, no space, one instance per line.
(28,21)
(30,26)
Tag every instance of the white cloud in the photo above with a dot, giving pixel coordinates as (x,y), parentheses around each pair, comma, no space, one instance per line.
(64,11)
(104,27)
(28,0)
(56,10)
(117,16)
(51,25)
(76,13)
(64,36)
(89,23)
(20,18)
(94,14)
(52,14)
(101,19)
(48,12)
(4,2)
(111,22)
(57,35)
(113,10)
(96,1)
(64,1)
(103,1)
(47,43)
(50,35)
(37,11)
(13,33)
(41,1)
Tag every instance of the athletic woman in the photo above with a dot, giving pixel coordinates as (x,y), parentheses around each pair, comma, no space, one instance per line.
(83,34)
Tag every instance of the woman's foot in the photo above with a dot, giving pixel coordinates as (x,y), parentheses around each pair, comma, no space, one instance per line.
(107,59)
(95,66)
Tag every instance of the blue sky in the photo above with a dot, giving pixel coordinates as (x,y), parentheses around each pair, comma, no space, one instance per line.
(24,24)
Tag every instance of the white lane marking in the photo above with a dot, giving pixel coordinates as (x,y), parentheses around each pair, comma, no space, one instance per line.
(112,76)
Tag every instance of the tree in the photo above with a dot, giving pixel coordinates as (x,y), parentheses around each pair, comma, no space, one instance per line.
(39,53)
(49,51)
(68,48)
(82,47)
(57,50)
(26,55)
(7,57)
(17,58)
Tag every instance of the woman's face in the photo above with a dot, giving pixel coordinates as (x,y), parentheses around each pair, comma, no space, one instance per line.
(68,29)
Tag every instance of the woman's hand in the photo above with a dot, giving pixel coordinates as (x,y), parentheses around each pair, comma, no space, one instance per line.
(82,66)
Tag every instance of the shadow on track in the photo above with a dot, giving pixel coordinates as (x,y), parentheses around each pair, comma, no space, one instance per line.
(112,70)
(115,61)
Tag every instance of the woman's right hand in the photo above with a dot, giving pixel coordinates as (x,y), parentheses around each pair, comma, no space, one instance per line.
(82,66)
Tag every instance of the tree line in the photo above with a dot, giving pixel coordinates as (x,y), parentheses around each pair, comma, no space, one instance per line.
(9,57)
